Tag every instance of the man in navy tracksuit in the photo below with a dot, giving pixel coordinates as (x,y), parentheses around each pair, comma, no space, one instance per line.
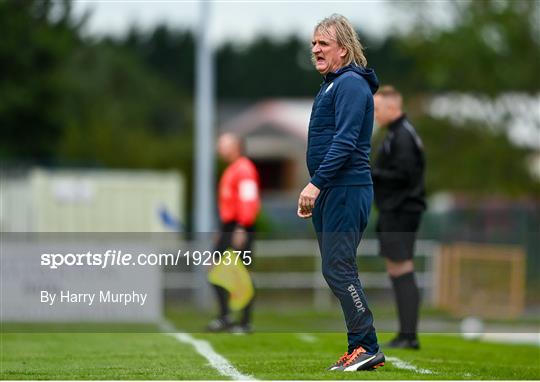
(340,193)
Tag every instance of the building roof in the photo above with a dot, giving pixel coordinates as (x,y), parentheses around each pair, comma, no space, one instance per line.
(288,115)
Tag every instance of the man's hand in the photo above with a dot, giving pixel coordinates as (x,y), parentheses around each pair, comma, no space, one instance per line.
(239,238)
(306,201)
(302,214)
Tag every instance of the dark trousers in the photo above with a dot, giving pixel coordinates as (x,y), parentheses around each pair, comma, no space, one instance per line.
(340,216)
(224,242)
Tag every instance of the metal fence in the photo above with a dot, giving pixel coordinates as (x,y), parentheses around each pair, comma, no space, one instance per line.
(274,249)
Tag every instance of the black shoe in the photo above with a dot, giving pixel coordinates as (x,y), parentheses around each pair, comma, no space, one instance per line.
(241,329)
(220,324)
(360,360)
(404,343)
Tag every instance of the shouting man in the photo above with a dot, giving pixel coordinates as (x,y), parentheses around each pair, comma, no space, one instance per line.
(340,193)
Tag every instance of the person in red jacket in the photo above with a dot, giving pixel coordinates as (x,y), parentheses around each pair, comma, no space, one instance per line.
(239,204)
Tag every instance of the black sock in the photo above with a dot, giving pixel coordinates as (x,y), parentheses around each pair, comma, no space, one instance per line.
(408,303)
(246,313)
(223,300)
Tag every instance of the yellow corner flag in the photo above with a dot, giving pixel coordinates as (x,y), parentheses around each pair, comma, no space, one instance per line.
(235,279)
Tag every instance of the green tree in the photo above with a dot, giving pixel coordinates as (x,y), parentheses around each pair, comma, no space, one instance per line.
(492,47)
(266,68)
(36,37)
(122,115)
(169,53)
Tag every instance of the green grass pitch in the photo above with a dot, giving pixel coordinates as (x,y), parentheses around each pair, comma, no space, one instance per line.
(261,355)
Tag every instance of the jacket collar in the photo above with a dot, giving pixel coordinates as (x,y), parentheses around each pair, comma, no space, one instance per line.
(333,75)
(397,122)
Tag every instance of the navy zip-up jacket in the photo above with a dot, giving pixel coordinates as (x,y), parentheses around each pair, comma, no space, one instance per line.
(340,127)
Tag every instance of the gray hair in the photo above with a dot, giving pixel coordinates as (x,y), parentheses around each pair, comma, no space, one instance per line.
(346,37)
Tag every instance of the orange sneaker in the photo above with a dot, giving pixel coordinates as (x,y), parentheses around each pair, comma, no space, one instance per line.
(341,361)
(360,360)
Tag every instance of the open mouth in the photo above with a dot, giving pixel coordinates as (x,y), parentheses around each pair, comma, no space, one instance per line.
(320,60)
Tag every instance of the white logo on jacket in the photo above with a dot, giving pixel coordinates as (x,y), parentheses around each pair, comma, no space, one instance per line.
(329,87)
(248,190)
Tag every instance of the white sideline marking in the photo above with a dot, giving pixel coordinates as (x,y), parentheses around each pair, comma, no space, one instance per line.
(307,337)
(216,360)
(400,364)
(513,338)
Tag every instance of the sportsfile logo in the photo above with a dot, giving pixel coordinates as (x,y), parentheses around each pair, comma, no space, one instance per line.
(356,299)
(117,257)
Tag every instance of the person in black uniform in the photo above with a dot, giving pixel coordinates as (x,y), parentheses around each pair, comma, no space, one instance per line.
(398,177)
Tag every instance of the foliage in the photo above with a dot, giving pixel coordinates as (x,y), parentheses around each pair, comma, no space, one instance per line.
(33,47)
(493,46)
(127,101)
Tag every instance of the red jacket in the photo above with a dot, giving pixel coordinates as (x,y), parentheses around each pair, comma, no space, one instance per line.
(239,199)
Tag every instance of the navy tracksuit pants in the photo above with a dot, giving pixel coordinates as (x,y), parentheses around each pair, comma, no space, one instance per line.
(340,216)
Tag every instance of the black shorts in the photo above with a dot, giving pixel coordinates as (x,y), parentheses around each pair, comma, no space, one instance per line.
(396,231)
(224,240)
